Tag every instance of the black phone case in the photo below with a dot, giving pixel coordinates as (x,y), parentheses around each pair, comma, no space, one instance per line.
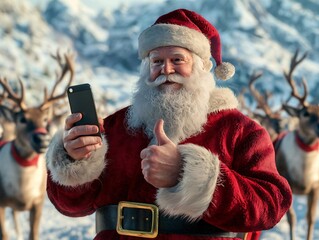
(81,101)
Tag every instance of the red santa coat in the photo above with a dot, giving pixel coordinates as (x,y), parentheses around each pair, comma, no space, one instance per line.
(244,193)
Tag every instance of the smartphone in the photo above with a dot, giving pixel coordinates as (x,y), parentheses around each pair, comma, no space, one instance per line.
(81,101)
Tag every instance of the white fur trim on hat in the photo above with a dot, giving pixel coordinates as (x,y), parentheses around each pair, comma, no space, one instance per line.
(192,195)
(163,35)
(69,172)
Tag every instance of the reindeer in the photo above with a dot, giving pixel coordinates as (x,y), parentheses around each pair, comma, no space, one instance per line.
(22,164)
(270,120)
(297,152)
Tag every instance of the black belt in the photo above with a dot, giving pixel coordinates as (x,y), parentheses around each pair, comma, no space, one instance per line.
(137,219)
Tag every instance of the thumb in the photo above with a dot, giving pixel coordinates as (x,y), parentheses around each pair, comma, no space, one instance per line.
(160,134)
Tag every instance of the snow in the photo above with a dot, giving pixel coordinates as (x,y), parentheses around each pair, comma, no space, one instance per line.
(54,226)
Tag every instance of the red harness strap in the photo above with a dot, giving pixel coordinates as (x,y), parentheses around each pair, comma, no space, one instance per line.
(300,143)
(305,147)
(2,143)
(21,161)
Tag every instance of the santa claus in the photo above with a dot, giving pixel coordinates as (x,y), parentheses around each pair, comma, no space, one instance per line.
(181,162)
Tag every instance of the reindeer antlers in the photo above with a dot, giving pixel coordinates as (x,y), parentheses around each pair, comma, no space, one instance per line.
(9,93)
(261,101)
(294,93)
(66,67)
(66,63)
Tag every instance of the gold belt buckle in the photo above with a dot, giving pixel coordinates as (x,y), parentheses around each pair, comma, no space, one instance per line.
(145,234)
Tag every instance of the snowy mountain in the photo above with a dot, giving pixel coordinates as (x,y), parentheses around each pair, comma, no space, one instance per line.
(256,35)
(267,33)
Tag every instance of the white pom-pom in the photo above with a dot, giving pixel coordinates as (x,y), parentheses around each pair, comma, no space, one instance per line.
(224,71)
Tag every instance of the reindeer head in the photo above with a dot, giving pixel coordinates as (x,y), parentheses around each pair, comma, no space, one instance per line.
(308,118)
(32,124)
(308,114)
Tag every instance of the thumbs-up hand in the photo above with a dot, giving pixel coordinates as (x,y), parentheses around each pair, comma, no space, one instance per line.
(161,163)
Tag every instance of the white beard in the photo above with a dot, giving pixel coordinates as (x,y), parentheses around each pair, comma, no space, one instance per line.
(184,111)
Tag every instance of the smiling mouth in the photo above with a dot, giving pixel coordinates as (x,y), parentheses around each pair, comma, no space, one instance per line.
(169,82)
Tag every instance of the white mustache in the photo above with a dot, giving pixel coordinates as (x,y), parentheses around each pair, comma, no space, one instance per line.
(174,78)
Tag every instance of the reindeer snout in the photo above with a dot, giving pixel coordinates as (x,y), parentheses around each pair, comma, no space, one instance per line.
(40,141)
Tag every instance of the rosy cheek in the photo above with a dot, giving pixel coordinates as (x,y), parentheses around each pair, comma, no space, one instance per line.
(154,74)
(186,72)
(189,74)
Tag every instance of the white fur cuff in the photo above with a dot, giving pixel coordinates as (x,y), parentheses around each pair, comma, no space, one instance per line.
(73,173)
(192,195)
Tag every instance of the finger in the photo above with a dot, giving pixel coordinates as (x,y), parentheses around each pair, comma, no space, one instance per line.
(144,165)
(83,130)
(82,145)
(84,152)
(101,123)
(145,168)
(81,142)
(145,153)
(160,134)
(71,119)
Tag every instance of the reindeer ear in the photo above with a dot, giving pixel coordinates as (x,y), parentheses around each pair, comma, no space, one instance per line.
(7,114)
(292,111)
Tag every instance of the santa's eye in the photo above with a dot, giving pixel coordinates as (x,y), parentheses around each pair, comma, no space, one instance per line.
(156,62)
(178,60)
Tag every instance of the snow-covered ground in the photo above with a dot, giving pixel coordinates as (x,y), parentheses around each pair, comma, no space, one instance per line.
(55,226)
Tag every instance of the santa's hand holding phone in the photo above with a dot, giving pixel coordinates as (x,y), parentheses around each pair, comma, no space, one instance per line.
(79,141)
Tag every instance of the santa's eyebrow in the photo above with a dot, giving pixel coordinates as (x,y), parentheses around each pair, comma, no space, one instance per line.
(154,55)
(179,54)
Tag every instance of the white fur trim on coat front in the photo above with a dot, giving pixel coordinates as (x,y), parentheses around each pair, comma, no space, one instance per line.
(192,195)
(69,172)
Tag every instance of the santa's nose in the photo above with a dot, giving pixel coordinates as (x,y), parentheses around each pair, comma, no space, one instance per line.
(167,68)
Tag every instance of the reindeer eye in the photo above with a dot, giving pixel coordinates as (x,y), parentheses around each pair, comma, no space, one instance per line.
(305,114)
(23,120)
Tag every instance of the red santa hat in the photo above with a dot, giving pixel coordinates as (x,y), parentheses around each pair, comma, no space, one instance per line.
(189,30)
